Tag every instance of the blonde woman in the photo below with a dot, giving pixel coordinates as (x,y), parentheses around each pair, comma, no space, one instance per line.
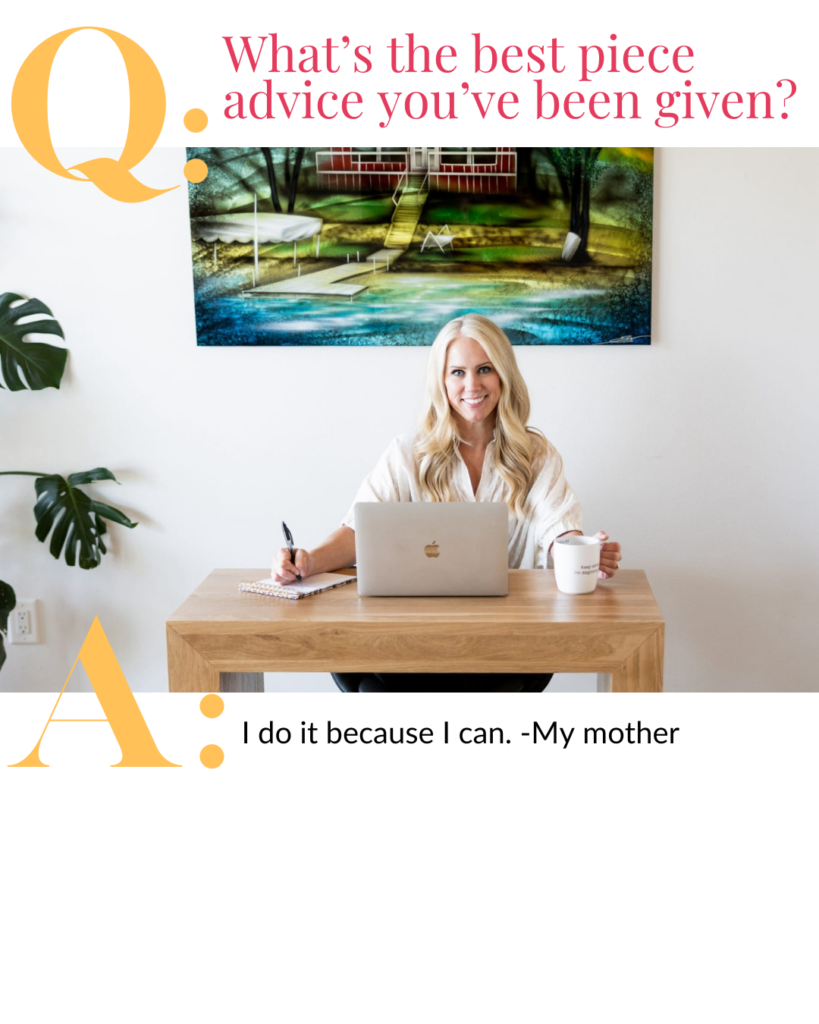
(474,444)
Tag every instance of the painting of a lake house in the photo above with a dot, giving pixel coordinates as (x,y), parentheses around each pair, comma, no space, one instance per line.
(381,246)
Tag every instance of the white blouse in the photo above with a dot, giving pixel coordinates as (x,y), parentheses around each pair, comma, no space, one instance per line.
(551,509)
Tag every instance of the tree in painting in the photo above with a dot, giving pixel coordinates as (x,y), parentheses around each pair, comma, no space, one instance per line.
(291,177)
(577,168)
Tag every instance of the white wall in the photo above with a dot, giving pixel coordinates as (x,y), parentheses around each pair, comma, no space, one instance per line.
(698,453)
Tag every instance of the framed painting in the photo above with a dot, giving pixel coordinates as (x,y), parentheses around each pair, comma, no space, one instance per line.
(380,246)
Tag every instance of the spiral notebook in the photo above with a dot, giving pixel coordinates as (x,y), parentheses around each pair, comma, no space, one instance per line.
(293,591)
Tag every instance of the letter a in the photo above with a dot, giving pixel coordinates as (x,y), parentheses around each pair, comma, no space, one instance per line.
(121,709)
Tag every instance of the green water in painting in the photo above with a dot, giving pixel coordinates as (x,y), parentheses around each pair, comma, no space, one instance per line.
(560,317)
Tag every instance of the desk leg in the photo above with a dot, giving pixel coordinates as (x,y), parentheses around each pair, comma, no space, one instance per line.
(188,672)
(604,682)
(642,671)
(241,682)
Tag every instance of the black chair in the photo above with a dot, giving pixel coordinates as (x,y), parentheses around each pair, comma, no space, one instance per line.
(441,682)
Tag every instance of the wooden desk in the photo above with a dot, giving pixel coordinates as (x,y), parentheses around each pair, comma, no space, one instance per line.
(223,639)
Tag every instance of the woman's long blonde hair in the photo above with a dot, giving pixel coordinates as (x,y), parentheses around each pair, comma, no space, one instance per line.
(516,444)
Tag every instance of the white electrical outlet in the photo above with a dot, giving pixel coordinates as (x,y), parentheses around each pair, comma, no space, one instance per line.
(24,627)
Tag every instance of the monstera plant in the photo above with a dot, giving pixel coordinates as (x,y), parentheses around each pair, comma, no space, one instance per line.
(75,521)
(42,365)
(7,603)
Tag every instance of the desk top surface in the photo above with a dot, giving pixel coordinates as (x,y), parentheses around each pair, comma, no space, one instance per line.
(533,598)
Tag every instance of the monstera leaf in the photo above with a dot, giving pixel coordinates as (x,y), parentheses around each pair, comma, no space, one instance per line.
(42,365)
(7,601)
(76,519)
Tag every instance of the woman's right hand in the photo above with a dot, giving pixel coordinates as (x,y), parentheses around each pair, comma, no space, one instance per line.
(284,571)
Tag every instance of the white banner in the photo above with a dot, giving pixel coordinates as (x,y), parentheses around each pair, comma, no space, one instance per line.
(657,867)
(635,74)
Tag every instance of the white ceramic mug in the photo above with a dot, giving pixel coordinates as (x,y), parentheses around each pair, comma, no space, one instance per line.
(577,563)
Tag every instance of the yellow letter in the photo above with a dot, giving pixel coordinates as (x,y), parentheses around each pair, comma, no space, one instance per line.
(121,709)
(29,109)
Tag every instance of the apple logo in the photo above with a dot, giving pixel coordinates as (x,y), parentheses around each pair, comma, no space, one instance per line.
(431,550)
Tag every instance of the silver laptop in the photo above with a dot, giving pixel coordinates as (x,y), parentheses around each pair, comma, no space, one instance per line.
(432,549)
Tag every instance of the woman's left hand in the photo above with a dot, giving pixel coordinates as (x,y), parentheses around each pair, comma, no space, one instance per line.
(609,556)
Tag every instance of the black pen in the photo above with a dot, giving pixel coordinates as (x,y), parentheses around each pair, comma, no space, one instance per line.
(288,538)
